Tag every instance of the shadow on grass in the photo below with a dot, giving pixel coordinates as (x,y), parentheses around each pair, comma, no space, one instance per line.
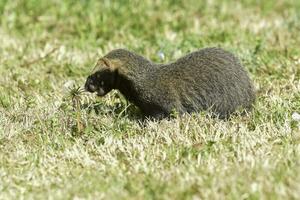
(118,110)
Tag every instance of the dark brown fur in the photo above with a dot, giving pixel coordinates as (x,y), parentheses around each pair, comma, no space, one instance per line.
(207,79)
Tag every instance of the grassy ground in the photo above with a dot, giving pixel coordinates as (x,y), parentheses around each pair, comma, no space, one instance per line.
(58,143)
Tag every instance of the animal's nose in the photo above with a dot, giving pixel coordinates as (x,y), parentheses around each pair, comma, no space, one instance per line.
(89,86)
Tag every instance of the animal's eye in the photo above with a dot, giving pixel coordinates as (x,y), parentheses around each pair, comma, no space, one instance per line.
(102,83)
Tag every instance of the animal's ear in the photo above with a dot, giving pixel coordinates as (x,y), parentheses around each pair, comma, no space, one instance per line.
(112,64)
(106,62)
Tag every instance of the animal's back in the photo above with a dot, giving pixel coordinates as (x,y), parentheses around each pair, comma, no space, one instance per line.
(208,78)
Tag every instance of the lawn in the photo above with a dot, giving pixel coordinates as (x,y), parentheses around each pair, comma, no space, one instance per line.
(57,142)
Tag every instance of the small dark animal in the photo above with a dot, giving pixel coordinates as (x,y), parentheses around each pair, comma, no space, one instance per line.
(207,79)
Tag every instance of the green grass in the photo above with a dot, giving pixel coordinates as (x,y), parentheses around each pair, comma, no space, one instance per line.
(59,143)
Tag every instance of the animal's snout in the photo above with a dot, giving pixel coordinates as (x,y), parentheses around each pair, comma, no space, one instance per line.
(89,85)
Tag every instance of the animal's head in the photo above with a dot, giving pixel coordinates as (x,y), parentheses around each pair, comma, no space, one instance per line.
(104,76)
